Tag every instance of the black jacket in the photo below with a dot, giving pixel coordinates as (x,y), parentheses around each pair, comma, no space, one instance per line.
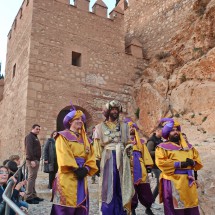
(2,203)
(152,143)
(50,153)
(32,147)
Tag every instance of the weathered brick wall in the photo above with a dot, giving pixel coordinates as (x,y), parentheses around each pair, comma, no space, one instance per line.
(1,88)
(13,105)
(46,82)
(105,74)
(155,22)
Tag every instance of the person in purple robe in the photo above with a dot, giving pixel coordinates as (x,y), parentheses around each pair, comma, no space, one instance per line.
(141,164)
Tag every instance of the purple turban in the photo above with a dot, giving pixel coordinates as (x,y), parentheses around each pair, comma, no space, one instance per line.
(73,114)
(131,123)
(169,126)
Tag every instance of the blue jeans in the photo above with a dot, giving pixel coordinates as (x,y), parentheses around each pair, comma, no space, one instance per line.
(19,204)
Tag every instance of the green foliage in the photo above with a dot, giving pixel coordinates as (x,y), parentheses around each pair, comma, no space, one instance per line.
(137,113)
(162,55)
(196,49)
(201,52)
(183,112)
(193,115)
(183,78)
(204,119)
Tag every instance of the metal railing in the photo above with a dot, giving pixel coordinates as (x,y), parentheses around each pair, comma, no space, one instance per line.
(8,193)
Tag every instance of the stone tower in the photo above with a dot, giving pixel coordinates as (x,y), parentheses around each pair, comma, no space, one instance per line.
(58,53)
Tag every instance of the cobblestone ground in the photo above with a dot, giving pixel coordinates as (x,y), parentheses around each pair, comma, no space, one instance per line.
(44,207)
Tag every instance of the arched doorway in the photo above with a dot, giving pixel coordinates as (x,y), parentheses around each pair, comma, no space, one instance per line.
(65,111)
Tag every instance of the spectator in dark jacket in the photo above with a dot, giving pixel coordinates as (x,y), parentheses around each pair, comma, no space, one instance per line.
(17,193)
(33,154)
(4,173)
(152,143)
(12,166)
(50,157)
(17,160)
(5,162)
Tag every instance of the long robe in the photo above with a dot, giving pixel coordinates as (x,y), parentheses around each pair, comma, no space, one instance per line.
(117,188)
(178,190)
(70,193)
(140,160)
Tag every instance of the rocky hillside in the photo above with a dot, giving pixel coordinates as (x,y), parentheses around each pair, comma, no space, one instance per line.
(179,82)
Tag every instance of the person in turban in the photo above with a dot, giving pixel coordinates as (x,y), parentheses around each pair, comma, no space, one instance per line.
(111,141)
(76,160)
(141,164)
(177,159)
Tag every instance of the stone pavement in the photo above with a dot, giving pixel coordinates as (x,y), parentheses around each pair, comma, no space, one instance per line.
(44,207)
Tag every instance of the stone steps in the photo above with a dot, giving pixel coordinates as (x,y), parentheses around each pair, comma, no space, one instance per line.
(42,186)
(44,208)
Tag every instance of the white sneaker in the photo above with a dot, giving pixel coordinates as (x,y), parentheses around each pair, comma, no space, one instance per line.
(155,206)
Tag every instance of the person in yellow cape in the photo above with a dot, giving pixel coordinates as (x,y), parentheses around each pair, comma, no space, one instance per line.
(141,164)
(177,160)
(111,141)
(76,160)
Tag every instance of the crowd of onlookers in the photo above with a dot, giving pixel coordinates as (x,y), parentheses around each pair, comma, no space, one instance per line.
(23,191)
(7,171)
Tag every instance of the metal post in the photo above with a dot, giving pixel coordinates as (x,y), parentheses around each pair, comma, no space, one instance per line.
(9,203)
(8,193)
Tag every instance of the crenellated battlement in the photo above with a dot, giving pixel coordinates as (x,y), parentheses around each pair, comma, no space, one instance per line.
(99,8)
(18,17)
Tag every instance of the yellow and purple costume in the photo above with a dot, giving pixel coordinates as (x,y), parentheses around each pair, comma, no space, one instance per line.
(73,151)
(111,139)
(178,190)
(141,161)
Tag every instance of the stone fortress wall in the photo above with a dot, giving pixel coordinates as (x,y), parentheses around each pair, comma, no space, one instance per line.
(14,95)
(59,53)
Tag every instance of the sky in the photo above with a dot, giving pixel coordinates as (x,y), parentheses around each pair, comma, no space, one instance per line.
(8,11)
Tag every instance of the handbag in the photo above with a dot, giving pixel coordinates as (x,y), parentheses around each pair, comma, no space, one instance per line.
(48,167)
(51,167)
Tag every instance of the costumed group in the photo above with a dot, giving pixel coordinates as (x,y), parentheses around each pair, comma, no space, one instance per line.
(123,161)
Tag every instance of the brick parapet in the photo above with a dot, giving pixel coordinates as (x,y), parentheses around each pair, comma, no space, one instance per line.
(80,5)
